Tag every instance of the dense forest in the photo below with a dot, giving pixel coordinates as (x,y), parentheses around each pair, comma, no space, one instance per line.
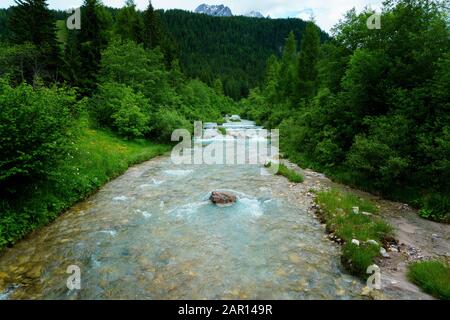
(371,106)
(235,49)
(232,49)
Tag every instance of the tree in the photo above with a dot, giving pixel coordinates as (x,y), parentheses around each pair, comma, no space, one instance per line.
(129,23)
(288,77)
(152,28)
(218,87)
(84,47)
(32,22)
(307,62)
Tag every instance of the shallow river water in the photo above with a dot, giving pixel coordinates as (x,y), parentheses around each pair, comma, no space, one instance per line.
(153,234)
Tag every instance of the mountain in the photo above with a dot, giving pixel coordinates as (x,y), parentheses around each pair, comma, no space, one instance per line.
(234,50)
(254,14)
(214,10)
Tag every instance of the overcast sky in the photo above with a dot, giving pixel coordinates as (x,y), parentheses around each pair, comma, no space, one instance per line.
(326,12)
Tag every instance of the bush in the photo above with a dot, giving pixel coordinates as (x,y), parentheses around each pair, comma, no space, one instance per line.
(164,122)
(118,107)
(34,129)
(432,276)
(436,207)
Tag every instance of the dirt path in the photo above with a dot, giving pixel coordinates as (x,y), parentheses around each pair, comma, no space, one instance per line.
(417,238)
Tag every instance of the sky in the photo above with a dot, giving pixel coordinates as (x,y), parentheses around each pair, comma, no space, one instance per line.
(326,12)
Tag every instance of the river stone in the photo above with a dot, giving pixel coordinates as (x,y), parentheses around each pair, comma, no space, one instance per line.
(223,198)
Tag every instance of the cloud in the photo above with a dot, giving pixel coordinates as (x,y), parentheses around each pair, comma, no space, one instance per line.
(326,12)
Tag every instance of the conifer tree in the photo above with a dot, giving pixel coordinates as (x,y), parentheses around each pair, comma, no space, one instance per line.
(31,22)
(288,81)
(307,63)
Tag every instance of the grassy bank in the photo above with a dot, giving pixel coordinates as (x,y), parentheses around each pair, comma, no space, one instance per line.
(336,211)
(95,157)
(432,205)
(432,276)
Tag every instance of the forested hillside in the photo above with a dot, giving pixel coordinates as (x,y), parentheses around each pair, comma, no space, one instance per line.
(233,49)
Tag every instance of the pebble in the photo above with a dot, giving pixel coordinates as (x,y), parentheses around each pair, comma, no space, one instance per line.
(366,213)
(372,242)
(393,249)
(355,242)
(356,210)
(384,253)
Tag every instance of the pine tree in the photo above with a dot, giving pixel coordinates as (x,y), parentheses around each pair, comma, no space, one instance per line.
(307,63)
(88,43)
(129,23)
(218,87)
(32,22)
(288,77)
(152,28)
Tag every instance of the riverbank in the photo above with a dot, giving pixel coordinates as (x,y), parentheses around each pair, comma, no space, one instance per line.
(95,157)
(418,239)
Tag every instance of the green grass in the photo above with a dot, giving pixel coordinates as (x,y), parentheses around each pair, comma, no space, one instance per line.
(95,158)
(337,212)
(222,130)
(432,276)
(433,205)
(292,175)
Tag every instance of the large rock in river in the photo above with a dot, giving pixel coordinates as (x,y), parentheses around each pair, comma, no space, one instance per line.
(222,198)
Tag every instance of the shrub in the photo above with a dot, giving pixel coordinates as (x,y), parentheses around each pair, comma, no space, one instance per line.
(118,107)
(164,122)
(34,129)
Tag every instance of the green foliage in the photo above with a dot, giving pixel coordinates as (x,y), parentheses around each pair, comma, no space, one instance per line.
(374,104)
(35,126)
(292,175)
(210,48)
(31,22)
(83,50)
(436,207)
(307,64)
(94,157)
(129,24)
(117,106)
(164,122)
(337,213)
(432,276)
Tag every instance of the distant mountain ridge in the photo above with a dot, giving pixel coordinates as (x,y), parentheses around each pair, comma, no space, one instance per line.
(254,14)
(223,11)
(214,10)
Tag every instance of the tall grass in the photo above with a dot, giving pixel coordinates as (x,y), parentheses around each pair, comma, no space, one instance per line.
(432,276)
(337,212)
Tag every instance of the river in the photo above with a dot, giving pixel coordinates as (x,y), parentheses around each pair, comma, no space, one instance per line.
(153,234)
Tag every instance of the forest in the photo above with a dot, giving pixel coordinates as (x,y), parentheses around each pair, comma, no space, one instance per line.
(369,107)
